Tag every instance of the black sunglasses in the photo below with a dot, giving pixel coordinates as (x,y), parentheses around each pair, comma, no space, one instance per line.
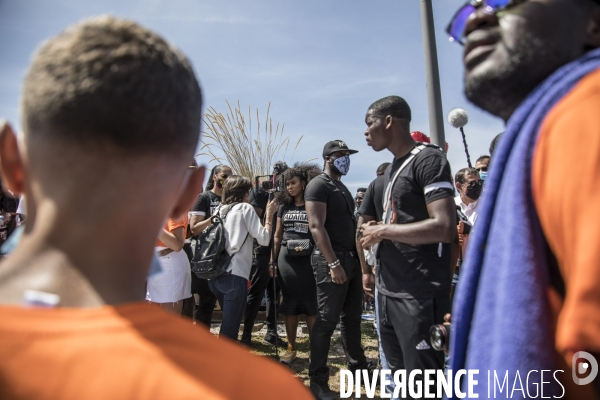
(473,184)
(458,23)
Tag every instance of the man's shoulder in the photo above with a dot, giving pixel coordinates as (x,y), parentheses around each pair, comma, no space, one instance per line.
(319,180)
(431,152)
(318,183)
(188,358)
(230,369)
(377,183)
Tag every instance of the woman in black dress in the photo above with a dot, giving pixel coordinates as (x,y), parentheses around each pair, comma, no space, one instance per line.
(298,286)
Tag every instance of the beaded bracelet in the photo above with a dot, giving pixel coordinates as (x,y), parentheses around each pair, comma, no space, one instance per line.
(334,264)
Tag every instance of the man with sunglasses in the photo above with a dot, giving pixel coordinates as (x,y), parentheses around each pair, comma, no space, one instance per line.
(529,297)
(469,185)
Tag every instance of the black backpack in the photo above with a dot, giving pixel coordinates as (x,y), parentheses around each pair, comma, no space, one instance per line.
(211,258)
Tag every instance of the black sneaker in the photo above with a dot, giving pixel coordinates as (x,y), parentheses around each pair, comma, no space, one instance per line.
(270,338)
(320,388)
(246,340)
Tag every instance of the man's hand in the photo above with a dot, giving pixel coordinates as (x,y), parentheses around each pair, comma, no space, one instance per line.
(369,285)
(338,275)
(460,228)
(273,271)
(370,234)
(447,318)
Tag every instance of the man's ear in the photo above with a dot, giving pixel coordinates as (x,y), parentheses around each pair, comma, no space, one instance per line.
(189,193)
(388,121)
(11,164)
(593,29)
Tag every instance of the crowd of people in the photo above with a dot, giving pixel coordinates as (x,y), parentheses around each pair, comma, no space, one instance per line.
(506,251)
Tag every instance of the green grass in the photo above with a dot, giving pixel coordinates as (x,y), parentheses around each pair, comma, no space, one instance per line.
(337,358)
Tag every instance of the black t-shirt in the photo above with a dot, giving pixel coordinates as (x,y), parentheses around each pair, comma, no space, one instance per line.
(339,222)
(206,204)
(372,204)
(295,222)
(416,271)
(260,198)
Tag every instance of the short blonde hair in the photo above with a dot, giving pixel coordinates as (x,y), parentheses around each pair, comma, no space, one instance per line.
(111,81)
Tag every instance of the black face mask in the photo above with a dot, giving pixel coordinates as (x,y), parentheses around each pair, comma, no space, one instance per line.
(474,191)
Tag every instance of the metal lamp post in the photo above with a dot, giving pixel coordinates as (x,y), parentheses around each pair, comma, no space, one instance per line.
(434,96)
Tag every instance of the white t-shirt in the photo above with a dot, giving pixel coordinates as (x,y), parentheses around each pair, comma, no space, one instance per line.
(21,207)
(470,211)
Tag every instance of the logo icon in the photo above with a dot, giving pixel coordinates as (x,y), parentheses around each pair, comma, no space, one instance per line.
(342,144)
(423,345)
(583,367)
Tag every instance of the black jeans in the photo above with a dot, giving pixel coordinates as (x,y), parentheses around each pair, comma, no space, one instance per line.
(208,300)
(259,281)
(404,330)
(337,302)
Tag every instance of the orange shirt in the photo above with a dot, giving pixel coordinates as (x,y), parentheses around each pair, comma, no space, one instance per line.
(566,189)
(131,351)
(171,225)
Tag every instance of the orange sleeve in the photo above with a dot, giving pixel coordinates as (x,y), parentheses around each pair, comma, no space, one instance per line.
(566,189)
(174,224)
(171,225)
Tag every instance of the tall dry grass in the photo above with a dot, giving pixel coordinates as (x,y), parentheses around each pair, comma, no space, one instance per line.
(250,147)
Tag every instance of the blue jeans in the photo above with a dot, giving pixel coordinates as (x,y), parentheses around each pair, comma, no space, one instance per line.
(231,292)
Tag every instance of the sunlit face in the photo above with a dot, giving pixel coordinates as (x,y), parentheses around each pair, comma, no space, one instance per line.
(470,180)
(359,199)
(507,54)
(334,156)
(294,186)
(482,165)
(222,175)
(375,132)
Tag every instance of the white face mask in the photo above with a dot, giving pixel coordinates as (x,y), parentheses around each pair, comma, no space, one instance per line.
(342,164)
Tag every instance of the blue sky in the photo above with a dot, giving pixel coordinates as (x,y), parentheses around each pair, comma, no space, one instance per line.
(319,63)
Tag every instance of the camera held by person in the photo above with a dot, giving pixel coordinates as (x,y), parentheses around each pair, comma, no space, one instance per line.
(275,182)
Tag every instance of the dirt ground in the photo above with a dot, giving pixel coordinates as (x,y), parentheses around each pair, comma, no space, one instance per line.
(337,359)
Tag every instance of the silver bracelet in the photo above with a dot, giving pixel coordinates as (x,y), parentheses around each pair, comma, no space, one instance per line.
(334,264)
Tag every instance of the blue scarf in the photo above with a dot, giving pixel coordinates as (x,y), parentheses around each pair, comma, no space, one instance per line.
(501,316)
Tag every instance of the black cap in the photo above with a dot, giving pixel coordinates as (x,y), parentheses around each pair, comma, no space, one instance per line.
(336,145)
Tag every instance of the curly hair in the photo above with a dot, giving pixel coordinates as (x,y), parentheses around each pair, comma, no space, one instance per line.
(305,172)
(235,188)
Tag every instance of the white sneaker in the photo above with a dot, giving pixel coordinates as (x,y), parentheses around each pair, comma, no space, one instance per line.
(289,355)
